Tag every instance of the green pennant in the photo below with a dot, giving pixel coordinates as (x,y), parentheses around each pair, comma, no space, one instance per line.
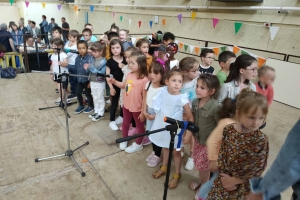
(121,18)
(244,52)
(186,46)
(146,37)
(237,27)
(11,2)
(223,48)
(159,37)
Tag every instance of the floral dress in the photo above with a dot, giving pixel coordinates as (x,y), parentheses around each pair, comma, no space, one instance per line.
(242,155)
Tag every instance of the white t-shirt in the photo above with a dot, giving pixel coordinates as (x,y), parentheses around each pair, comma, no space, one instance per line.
(55,66)
(150,94)
(174,63)
(71,56)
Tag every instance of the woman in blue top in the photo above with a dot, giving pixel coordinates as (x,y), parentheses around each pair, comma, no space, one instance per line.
(17,36)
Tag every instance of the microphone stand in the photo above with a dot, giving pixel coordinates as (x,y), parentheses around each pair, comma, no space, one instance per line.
(37,52)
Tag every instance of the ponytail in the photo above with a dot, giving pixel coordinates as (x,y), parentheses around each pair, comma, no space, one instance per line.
(227,109)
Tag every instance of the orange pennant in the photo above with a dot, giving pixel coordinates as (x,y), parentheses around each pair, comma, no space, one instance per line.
(163,21)
(75,8)
(197,49)
(180,45)
(261,61)
(235,49)
(216,50)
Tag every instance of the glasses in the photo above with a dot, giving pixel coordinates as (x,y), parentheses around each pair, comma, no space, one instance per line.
(254,69)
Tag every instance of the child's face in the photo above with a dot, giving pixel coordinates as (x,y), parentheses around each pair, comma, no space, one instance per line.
(202,91)
(208,59)
(154,78)
(252,120)
(268,78)
(97,54)
(123,36)
(132,64)
(144,48)
(55,47)
(115,49)
(127,55)
(72,39)
(174,84)
(82,49)
(56,34)
(250,72)
(86,36)
(193,73)
(38,40)
(30,42)
(226,66)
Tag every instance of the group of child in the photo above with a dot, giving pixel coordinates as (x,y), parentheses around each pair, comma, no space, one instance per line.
(229,148)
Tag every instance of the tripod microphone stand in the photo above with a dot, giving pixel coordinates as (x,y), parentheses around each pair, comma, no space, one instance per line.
(69,152)
(172,128)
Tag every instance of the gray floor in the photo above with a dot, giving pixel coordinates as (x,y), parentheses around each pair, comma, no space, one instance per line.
(27,133)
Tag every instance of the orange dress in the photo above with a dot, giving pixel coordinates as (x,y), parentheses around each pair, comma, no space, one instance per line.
(107,52)
(149,61)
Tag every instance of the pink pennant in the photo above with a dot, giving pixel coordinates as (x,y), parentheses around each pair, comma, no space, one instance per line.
(215,22)
(114,14)
(27,4)
(179,17)
(59,7)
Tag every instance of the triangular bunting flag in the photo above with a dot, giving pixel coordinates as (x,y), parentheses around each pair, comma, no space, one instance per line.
(146,37)
(216,50)
(151,23)
(273,31)
(139,23)
(27,4)
(237,27)
(121,18)
(230,48)
(133,39)
(235,49)
(180,44)
(261,61)
(92,8)
(159,37)
(197,49)
(192,48)
(59,7)
(129,21)
(186,46)
(215,22)
(113,14)
(223,48)
(106,8)
(244,52)
(176,41)
(11,2)
(194,14)
(179,17)
(163,22)
(43,5)
(75,8)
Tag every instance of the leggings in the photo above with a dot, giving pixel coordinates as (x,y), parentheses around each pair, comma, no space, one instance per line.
(156,149)
(114,104)
(126,122)
(132,119)
(87,89)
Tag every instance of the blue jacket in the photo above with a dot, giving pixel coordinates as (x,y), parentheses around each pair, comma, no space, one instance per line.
(17,37)
(285,170)
(79,62)
(50,27)
(97,69)
(45,26)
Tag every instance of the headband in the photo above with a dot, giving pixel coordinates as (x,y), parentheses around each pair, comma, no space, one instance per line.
(162,62)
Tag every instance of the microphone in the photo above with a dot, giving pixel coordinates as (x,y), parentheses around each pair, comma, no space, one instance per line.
(191,125)
(71,51)
(105,75)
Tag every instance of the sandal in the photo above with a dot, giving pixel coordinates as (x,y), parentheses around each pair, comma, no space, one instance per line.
(195,185)
(162,171)
(174,182)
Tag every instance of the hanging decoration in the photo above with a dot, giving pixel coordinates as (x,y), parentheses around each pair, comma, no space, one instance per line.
(129,21)
(106,8)
(151,23)
(27,3)
(197,50)
(244,52)
(223,48)
(75,8)
(113,14)
(216,51)
(186,47)
(237,27)
(43,5)
(179,17)
(121,18)
(192,48)
(261,61)
(140,23)
(59,7)
(235,49)
(215,22)
(163,21)
(92,8)
(273,31)
(180,44)
(11,2)
(194,14)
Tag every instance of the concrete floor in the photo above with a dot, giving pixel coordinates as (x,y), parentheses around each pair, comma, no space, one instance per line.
(27,133)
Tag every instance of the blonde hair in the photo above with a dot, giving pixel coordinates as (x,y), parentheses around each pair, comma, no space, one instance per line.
(264,69)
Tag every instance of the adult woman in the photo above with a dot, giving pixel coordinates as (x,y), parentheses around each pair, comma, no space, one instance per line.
(22,28)
(17,36)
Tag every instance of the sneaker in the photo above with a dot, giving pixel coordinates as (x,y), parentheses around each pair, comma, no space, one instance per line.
(134,148)
(108,101)
(132,132)
(92,115)
(189,164)
(146,141)
(154,161)
(113,126)
(88,109)
(119,120)
(72,96)
(79,109)
(150,156)
(97,118)
(58,100)
(123,145)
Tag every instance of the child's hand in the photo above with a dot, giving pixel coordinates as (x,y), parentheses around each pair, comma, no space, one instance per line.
(141,117)
(121,65)
(111,80)
(112,92)
(187,138)
(151,117)
(86,65)
(228,182)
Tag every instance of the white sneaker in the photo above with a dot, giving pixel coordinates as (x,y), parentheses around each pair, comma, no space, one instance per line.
(134,148)
(119,120)
(150,156)
(108,101)
(113,126)
(189,164)
(123,145)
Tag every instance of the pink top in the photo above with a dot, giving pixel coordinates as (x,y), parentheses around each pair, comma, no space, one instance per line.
(133,92)
(268,92)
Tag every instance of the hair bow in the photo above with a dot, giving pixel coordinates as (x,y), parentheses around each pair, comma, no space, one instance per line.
(162,62)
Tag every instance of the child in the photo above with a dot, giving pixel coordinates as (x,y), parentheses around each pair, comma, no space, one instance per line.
(90,26)
(172,49)
(113,67)
(72,45)
(154,42)
(103,38)
(87,35)
(242,71)
(56,32)
(225,59)
(143,46)
(82,82)
(244,149)
(110,37)
(133,98)
(207,57)
(123,34)
(97,83)
(266,76)
(169,102)
(189,67)
(58,66)
(167,38)
(158,70)
(114,28)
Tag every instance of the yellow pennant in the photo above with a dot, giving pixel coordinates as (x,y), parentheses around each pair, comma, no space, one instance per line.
(194,14)
(44,5)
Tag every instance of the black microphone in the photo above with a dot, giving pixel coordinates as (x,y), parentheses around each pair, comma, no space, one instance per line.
(71,51)
(105,75)
(191,125)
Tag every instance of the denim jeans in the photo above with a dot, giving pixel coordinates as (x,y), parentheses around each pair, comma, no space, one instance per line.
(73,79)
